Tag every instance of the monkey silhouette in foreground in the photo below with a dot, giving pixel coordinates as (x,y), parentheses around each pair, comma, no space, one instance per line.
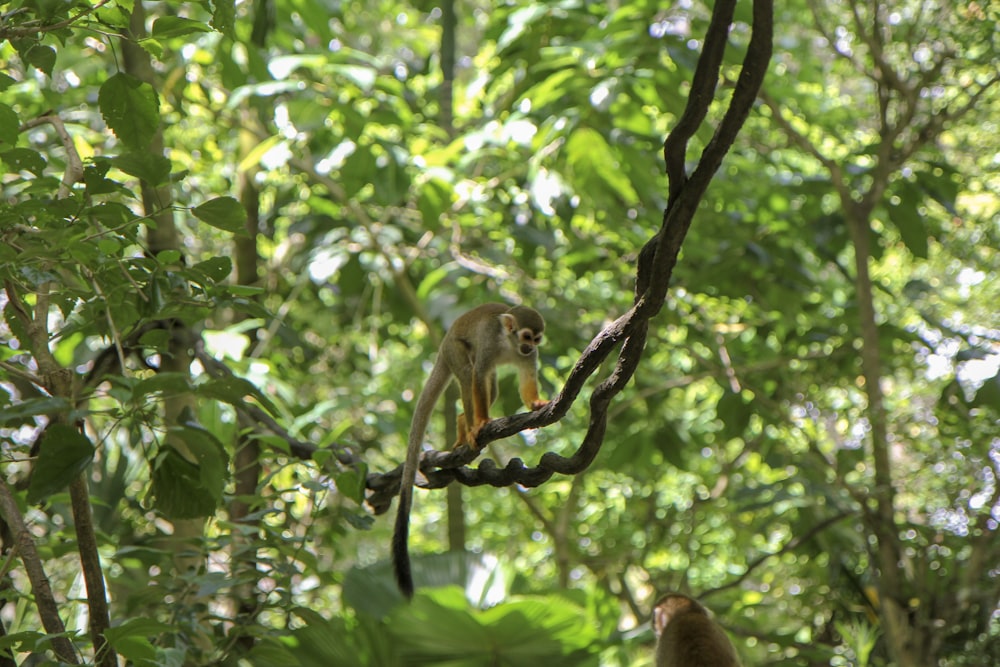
(687,637)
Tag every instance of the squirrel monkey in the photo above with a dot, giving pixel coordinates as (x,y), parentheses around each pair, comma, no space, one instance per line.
(687,637)
(488,336)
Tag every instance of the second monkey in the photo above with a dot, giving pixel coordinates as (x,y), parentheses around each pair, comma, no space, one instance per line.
(477,343)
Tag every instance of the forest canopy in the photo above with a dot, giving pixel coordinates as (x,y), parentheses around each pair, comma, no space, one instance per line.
(235,233)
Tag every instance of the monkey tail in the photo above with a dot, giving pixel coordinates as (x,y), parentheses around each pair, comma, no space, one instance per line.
(400,537)
(439,378)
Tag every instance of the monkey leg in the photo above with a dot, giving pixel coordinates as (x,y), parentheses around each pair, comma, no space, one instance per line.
(464,435)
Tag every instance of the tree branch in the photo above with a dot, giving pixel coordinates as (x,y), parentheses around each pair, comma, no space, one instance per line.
(48,608)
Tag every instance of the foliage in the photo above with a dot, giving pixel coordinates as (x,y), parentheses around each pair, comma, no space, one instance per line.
(742,464)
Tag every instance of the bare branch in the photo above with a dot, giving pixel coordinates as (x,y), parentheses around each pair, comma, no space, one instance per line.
(48,608)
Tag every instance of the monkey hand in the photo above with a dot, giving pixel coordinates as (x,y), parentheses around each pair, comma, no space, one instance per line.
(538,404)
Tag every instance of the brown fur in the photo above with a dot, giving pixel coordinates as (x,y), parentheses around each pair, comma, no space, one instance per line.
(477,343)
(687,637)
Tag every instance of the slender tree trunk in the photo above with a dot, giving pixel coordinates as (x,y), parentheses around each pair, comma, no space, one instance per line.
(163,235)
(455,494)
(904,639)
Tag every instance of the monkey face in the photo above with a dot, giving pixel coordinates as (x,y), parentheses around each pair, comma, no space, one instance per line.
(528,341)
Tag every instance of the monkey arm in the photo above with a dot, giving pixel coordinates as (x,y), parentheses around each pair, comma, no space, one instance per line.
(528,380)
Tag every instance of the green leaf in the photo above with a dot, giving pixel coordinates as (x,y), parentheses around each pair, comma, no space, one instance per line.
(131,108)
(735,414)
(518,23)
(145,165)
(131,639)
(24,159)
(22,412)
(233,390)
(433,199)
(27,641)
(223,213)
(989,394)
(175,26)
(168,383)
(96,180)
(351,483)
(216,269)
(905,215)
(9,125)
(41,56)
(169,257)
(63,453)
(136,627)
(224,17)
(551,89)
(184,488)
(671,444)
(595,165)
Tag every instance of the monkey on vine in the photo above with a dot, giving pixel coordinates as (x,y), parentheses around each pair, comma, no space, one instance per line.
(479,341)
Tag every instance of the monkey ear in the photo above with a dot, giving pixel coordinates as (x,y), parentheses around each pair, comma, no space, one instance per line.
(660,620)
(508,322)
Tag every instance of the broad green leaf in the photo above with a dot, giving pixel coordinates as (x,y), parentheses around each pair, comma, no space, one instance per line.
(435,196)
(734,412)
(131,638)
(537,630)
(216,269)
(352,483)
(9,125)
(136,627)
(96,180)
(670,443)
(253,157)
(234,390)
(224,16)
(18,413)
(551,89)
(168,257)
(432,279)
(175,26)
(145,165)
(24,159)
(224,213)
(41,56)
(988,395)
(28,641)
(905,214)
(131,108)
(63,453)
(594,164)
(186,489)
(360,76)
(942,184)
(168,383)
(518,22)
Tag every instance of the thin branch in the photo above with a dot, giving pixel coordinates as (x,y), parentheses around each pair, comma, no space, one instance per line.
(35,27)
(74,165)
(48,608)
